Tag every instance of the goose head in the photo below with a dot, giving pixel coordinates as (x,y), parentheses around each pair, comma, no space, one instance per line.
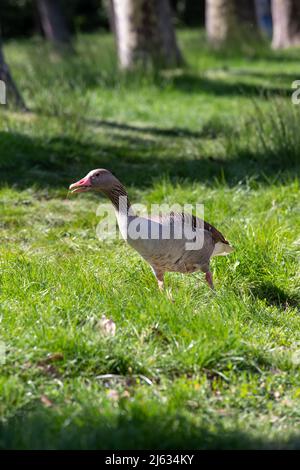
(96,180)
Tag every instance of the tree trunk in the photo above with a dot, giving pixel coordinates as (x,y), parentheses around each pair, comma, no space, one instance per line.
(220,21)
(286,23)
(53,22)
(245,12)
(10,86)
(109,5)
(263,16)
(145,33)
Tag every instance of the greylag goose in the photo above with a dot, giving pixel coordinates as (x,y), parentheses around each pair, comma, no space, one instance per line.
(161,240)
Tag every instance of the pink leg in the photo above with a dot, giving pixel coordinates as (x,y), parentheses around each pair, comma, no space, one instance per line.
(160,284)
(160,278)
(209,279)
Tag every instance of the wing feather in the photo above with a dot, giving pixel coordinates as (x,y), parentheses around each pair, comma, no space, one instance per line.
(194,221)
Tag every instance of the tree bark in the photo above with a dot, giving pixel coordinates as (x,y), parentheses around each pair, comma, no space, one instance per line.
(245,12)
(10,86)
(220,21)
(145,33)
(286,23)
(263,16)
(53,22)
(109,5)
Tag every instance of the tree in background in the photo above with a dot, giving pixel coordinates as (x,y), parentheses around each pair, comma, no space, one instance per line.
(109,7)
(11,87)
(238,20)
(189,12)
(286,23)
(220,21)
(264,16)
(245,12)
(145,33)
(53,22)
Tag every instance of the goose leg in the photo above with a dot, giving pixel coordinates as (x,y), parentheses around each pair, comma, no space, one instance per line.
(209,279)
(160,279)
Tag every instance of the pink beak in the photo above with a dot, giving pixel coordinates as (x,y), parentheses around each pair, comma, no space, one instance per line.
(81,186)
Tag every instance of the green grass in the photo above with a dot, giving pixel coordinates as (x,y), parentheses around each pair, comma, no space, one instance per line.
(210,370)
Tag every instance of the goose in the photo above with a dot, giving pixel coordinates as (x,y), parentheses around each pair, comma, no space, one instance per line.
(167,242)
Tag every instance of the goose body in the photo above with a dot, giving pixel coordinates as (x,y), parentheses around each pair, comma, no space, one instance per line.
(170,254)
(167,242)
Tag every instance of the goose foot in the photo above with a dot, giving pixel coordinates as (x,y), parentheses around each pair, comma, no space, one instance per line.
(160,278)
(160,281)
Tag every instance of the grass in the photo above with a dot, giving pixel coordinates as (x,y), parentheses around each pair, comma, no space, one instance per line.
(211,370)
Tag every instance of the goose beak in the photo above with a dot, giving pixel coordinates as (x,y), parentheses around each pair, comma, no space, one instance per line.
(81,186)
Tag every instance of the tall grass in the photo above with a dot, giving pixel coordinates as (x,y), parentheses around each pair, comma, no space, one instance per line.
(269,138)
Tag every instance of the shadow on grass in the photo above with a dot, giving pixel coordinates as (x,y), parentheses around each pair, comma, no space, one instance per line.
(163,132)
(136,161)
(198,84)
(264,74)
(135,429)
(275,296)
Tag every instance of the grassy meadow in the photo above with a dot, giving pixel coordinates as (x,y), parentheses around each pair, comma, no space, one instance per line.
(209,370)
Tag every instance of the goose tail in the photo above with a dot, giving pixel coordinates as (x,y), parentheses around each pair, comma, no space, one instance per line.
(222,249)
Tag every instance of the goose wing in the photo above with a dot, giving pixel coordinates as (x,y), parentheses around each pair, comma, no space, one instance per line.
(192,220)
